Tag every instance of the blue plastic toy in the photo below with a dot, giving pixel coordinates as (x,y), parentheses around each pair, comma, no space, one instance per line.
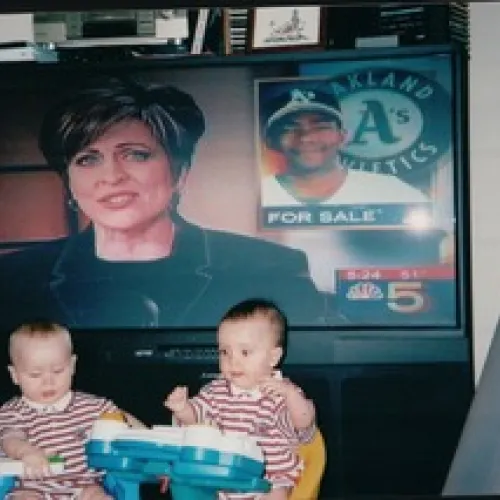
(198,461)
(11,470)
(6,484)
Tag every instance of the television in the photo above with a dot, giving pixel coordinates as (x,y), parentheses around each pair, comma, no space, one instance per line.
(388,261)
(387,255)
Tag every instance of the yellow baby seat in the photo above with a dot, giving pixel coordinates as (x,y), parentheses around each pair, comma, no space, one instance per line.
(314,456)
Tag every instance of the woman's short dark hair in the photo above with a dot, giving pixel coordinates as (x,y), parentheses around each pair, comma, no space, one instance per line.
(82,116)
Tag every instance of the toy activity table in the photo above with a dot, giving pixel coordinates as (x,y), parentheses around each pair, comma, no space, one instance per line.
(199,460)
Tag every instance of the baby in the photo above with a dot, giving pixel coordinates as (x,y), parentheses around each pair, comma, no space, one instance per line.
(251,397)
(49,418)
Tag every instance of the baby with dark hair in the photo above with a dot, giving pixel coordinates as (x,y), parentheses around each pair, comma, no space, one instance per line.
(251,397)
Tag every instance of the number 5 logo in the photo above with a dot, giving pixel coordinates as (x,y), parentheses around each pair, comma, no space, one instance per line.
(405,296)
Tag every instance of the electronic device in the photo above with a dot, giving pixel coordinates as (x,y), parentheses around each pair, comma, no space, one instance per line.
(26,51)
(395,24)
(16,28)
(120,35)
(381,266)
(110,27)
(393,276)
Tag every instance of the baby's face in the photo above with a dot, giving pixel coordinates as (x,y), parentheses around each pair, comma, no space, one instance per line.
(247,351)
(43,368)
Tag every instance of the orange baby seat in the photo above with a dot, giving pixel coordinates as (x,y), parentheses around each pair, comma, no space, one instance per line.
(314,456)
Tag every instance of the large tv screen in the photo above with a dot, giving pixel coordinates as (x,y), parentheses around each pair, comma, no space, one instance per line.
(159,194)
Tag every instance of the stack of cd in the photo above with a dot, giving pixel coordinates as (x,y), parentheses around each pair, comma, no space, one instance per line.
(236,31)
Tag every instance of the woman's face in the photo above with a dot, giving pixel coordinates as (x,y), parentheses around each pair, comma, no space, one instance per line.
(122,181)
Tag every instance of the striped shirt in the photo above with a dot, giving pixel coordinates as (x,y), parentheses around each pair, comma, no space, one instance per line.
(61,431)
(263,416)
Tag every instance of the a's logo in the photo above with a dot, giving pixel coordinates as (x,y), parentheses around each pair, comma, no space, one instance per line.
(301,96)
(398,121)
(364,290)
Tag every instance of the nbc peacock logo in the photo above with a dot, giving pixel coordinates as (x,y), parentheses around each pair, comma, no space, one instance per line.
(365,290)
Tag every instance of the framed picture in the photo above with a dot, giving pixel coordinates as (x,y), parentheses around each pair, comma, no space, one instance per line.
(278,28)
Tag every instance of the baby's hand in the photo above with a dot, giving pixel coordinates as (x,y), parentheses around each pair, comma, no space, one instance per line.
(278,385)
(36,464)
(176,401)
(94,492)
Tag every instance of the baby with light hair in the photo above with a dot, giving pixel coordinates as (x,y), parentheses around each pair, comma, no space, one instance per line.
(49,418)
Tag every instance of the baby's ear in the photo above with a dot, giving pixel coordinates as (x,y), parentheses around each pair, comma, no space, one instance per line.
(13,374)
(73,363)
(276,354)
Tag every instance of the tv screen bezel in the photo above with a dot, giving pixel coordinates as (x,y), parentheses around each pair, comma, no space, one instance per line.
(328,335)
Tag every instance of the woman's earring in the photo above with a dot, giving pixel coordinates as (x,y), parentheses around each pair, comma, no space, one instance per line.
(174,202)
(72,204)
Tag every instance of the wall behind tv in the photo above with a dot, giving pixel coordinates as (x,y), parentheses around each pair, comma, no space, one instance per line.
(485,173)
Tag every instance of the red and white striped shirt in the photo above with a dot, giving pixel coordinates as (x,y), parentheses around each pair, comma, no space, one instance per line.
(57,430)
(263,416)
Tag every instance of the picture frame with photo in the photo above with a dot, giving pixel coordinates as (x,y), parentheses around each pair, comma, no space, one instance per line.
(286,28)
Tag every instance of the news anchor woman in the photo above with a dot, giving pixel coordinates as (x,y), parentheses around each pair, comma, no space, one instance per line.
(124,151)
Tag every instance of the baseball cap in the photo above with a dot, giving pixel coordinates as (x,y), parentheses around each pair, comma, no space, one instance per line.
(297,100)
